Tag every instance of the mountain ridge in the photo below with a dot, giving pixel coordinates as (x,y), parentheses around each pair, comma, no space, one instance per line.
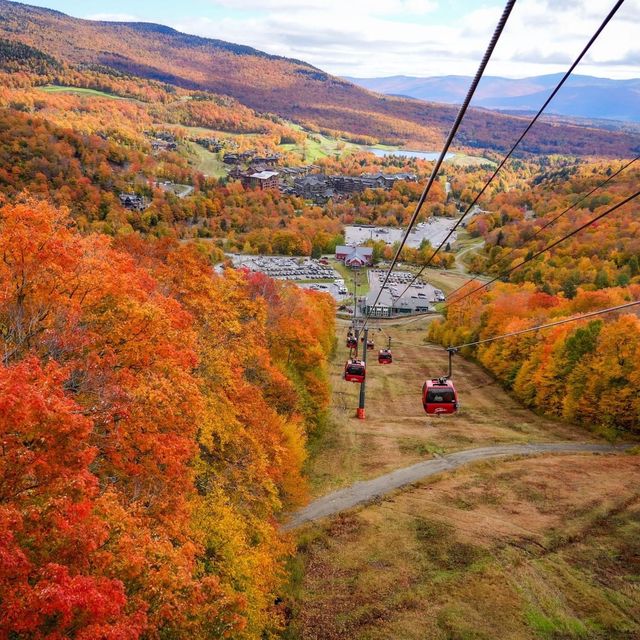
(288,88)
(583,95)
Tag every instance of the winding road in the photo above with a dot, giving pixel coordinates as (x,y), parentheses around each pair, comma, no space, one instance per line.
(364,492)
(461,267)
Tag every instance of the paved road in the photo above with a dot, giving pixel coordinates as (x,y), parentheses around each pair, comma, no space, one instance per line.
(363,492)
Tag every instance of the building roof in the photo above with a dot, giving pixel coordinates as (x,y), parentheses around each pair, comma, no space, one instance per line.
(314,178)
(264,175)
(387,300)
(366,252)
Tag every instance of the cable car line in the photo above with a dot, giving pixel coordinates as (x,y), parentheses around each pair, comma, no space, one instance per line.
(556,218)
(568,73)
(454,129)
(439,395)
(549,325)
(507,273)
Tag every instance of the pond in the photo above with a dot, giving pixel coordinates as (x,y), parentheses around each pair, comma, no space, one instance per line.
(405,153)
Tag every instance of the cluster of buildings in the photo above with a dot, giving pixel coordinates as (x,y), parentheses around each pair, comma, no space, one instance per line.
(257,177)
(263,172)
(259,174)
(210,144)
(321,188)
(162,141)
(289,174)
(251,158)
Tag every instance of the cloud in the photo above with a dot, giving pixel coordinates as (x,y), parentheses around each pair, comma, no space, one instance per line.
(334,7)
(425,37)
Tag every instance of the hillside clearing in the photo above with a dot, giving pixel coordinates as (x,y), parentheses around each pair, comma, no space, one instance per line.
(396,432)
(80,91)
(545,548)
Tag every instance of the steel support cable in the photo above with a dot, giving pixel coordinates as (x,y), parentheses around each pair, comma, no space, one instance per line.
(556,218)
(418,346)
(454,129)
(519,140)
(584,316)
(507,273)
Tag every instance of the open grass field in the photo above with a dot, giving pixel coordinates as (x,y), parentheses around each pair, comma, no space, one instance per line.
(544,548)
(206,162)
(318,146)
(80,92)
(464,160)
(541,548)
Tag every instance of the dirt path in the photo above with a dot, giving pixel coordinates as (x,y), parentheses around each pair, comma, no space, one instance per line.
(461,267)
(363,492)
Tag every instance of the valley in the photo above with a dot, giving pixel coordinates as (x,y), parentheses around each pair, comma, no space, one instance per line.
(190,228)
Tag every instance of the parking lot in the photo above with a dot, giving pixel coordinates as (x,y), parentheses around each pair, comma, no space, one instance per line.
(305,272)
(434,229)
(285,268)
(419,297)
(331,288)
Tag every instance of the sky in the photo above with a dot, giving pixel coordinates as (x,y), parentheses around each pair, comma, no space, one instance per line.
(372,38)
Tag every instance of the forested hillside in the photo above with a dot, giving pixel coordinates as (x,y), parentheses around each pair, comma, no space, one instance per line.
(153,418)
(604,254)
(289,88)
(586,372)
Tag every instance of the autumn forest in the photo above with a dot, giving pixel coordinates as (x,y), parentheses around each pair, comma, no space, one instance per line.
(162,413)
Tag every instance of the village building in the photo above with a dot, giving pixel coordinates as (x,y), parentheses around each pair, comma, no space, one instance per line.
(211,144)
(264,180)
(270,161)
(133,202)
(388,306)
(289,174)
(355,257)
(238,158)
(163,145)
(320,187)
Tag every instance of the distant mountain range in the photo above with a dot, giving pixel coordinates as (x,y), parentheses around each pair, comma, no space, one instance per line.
(582,96)
(289,88)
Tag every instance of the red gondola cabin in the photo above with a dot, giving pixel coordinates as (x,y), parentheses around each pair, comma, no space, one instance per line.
(352,343)
(439,396)
(384,356)
(370,345)
(354,371)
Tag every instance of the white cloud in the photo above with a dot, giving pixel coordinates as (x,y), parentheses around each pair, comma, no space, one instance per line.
(419,37)
(362,7)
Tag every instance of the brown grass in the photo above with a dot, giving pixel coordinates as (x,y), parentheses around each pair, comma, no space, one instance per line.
(533,548)
(514,549)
